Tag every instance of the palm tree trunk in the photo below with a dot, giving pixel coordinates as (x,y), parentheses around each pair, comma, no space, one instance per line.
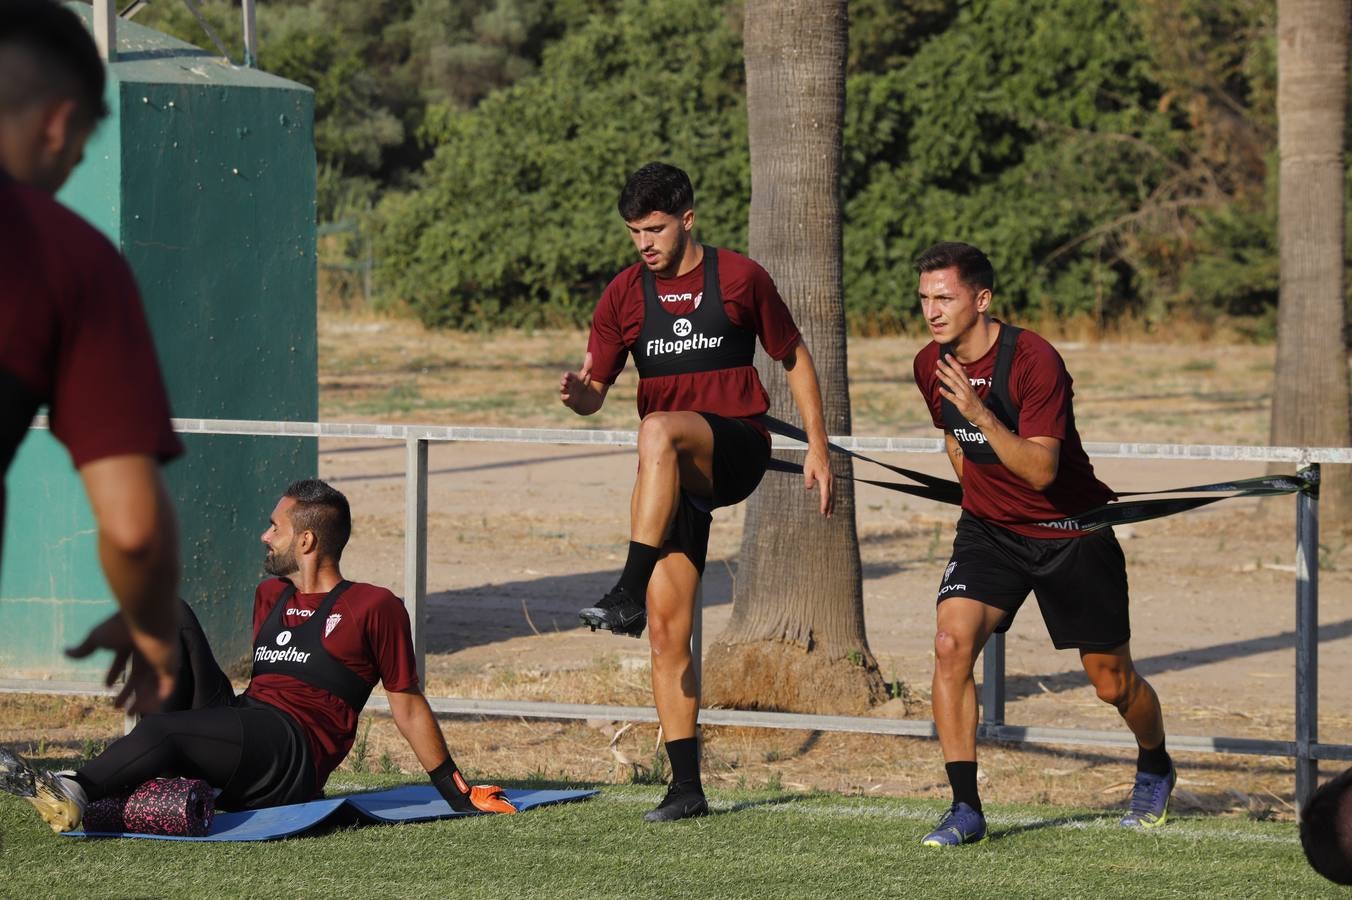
(1310,403)
(796,638)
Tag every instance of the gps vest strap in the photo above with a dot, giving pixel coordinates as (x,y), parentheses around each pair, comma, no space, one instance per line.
(18,405)
(299,652)
(1115,513)
(969,437)
(702,340)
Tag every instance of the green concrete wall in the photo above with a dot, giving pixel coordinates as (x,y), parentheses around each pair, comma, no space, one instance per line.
(204,176)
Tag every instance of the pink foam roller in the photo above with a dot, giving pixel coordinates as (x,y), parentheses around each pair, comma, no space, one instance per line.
(179,807)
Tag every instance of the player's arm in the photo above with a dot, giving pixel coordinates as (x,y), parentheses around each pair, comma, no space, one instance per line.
(807,396)
(954,451)
(1034,459)
(415,720)
(579,392)
(138,547)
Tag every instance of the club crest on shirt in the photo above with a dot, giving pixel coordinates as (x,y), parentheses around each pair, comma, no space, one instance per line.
(331,623)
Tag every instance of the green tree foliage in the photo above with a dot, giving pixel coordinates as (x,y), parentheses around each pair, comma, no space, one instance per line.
(1115,157)
(513,220)
(1108,155)
(376,66)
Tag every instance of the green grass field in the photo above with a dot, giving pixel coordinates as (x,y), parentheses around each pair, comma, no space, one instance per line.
(757,844)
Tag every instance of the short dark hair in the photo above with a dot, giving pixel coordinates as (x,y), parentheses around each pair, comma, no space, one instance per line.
(1326,829)
(657,187)
(322,510)
(46,52)
(974,268)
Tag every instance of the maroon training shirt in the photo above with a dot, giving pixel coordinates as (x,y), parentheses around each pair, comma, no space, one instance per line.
(752,303)
(1040,387)
(371,637)
(73,336)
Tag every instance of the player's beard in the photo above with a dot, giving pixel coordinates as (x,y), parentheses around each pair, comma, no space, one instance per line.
(669,264)
(280,562)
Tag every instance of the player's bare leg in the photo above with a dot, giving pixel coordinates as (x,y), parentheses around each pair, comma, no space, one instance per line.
(963,627)
(1117,682)
(671,612)
(675,452)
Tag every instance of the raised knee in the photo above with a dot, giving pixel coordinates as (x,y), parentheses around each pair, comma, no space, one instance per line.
(655,435)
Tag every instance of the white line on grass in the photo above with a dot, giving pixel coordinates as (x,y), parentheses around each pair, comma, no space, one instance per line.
(1176,829)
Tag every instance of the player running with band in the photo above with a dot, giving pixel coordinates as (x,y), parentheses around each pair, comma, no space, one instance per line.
(320,645)
(690,315)
(1003,398)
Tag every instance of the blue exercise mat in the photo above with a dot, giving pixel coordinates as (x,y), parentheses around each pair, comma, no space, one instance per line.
(410,803)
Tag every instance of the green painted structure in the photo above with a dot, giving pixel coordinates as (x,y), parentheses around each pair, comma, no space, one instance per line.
(204,176)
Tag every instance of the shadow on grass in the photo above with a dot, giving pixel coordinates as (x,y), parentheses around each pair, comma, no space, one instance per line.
(1057,822)
(1018,687)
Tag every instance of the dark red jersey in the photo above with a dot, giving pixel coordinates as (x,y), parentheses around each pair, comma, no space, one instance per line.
(752,303)
(73,337)
(367,630)
(1041,390)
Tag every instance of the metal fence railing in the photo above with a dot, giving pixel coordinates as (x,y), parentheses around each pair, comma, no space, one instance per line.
(1305,747)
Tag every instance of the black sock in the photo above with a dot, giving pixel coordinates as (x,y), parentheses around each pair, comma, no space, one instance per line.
(1153,762)
(962,777)
(684,756)
(638,569)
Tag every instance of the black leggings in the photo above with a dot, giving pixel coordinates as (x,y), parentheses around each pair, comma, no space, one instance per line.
(254,753)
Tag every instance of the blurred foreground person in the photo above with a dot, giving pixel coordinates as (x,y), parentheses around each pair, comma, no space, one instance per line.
(1326,829)
(73,337)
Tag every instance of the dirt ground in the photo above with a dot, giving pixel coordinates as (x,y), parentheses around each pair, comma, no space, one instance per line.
(521,536)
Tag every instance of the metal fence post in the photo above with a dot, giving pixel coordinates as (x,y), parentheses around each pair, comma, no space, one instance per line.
(1307,635)
(415,546)
(993,681)
(105,29)
(250,35)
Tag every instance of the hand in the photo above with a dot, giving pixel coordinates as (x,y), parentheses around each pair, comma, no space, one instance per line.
(817,473)
(957,389)
(575,388)
(154,662)
(490,798)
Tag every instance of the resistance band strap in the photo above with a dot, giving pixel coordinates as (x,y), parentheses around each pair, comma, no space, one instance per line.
(1114,513)
(941,489)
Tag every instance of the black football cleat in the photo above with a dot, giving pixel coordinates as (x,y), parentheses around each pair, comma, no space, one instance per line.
(681,802)
(618,613)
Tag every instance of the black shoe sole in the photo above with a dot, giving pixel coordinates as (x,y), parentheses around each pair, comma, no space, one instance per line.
(594,617)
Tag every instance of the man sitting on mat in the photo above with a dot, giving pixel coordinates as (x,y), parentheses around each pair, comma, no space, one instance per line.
(320,644)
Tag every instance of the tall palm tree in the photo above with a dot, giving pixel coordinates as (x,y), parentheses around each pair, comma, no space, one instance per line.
(1310,404)
(796,639)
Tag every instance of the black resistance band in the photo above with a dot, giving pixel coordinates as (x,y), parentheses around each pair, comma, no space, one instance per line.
(1114,513)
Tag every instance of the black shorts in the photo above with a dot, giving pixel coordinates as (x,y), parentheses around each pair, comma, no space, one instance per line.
(741,456)
(1080,582)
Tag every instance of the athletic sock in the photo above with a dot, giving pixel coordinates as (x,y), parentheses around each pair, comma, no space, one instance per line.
(684,756)
(638,569)
(1153,762)
(962,778)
